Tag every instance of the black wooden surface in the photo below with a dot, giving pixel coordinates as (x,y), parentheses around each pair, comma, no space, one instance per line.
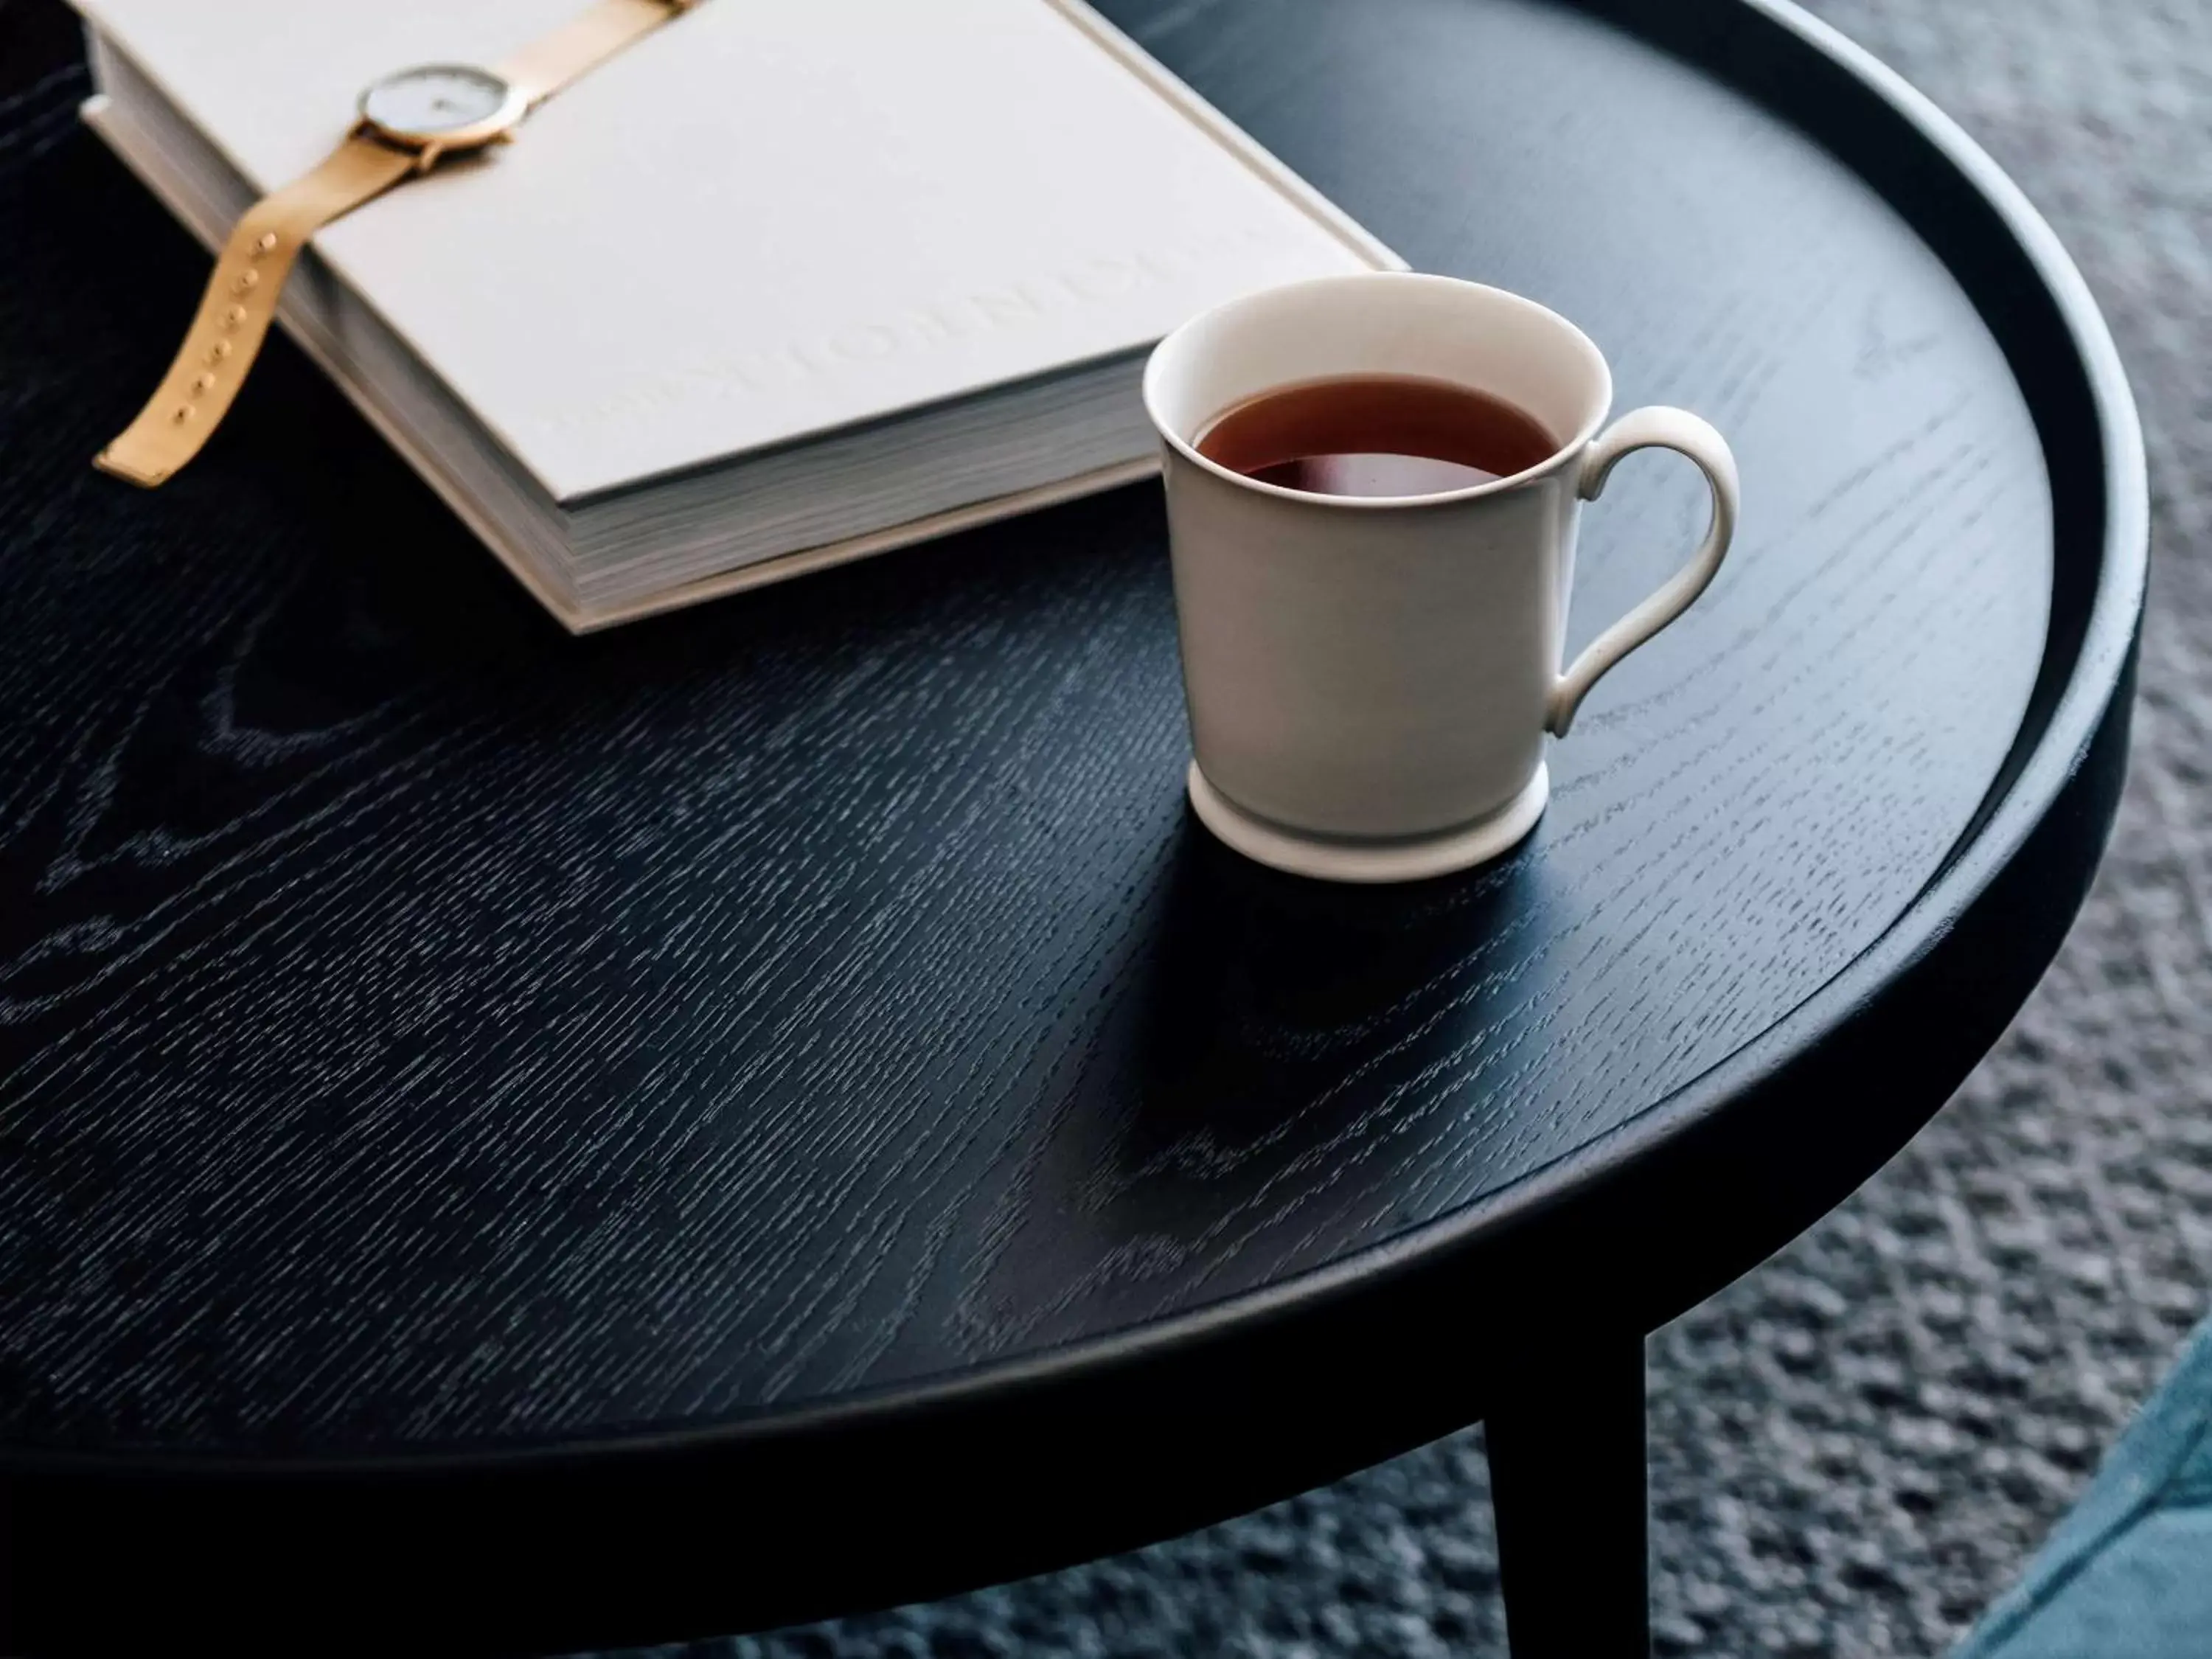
(425,1037)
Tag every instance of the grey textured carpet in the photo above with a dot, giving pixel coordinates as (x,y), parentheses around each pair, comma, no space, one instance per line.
(1855,1449)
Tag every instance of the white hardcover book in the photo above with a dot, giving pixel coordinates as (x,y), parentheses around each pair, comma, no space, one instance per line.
(786,283)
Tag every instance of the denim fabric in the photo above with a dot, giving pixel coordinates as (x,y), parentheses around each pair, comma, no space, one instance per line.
(2128,1575)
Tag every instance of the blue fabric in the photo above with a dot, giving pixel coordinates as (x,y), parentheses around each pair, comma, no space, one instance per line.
(2128,1575)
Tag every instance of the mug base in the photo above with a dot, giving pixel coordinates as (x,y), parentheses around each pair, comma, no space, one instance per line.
(1413,860)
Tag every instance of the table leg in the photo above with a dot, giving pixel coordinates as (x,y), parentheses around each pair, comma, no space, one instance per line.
(1567,1485)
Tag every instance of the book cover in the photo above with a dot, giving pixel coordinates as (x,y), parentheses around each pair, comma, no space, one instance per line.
(761,224)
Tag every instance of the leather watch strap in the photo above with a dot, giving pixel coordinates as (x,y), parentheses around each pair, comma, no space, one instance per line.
(241,301)
(597,34)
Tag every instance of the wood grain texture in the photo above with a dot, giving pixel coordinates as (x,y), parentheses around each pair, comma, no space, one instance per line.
(419,1028)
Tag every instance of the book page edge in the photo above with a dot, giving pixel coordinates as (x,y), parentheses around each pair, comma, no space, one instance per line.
(805,561)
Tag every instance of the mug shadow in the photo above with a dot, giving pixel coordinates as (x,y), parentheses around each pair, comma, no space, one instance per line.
(1277,1025)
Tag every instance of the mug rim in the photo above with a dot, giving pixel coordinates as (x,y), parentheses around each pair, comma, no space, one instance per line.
(1571,447)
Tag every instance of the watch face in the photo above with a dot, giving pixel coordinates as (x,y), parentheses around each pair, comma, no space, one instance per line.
(439,99)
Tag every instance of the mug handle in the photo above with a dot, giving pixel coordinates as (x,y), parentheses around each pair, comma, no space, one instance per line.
(1653,427)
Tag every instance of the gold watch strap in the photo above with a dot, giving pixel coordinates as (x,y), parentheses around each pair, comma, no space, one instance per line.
(584,42)
(240,301)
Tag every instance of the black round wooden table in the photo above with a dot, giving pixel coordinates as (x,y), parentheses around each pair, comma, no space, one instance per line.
(516,1142)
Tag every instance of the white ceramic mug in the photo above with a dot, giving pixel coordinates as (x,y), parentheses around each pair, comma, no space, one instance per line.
(1370,679)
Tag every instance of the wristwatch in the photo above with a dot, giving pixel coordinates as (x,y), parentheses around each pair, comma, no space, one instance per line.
(408,123)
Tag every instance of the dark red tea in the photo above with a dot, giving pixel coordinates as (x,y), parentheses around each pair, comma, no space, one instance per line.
(1376,434)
